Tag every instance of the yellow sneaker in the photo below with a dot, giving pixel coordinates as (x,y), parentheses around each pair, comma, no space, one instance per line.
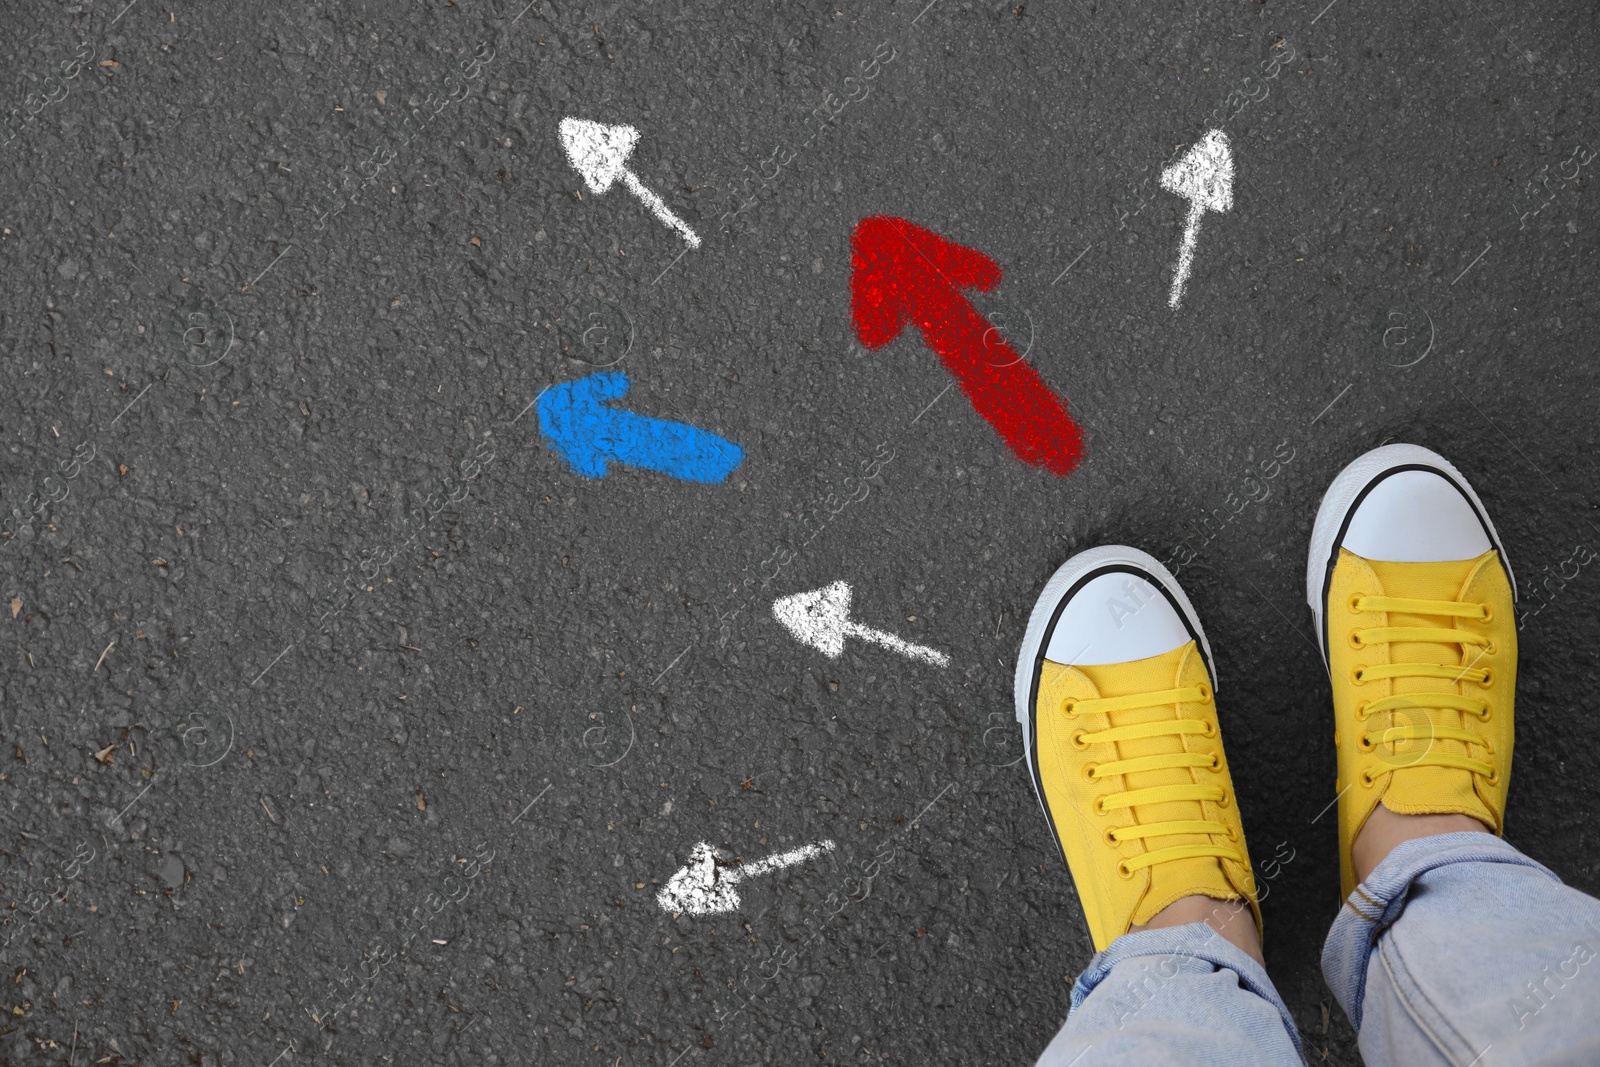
(1414,604)
(1114,694)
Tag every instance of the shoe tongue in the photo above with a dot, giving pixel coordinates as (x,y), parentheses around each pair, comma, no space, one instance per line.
(1426,790)
(1179,668)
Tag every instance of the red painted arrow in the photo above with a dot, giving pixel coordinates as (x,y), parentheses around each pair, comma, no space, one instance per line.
(903,273)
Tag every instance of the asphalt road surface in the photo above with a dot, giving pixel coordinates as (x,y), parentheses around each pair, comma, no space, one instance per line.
(363,688)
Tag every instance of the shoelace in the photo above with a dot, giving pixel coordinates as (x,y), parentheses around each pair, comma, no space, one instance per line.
(1165,794)
(1431,731)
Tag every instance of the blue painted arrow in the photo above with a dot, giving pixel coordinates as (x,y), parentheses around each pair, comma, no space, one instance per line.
(584,432)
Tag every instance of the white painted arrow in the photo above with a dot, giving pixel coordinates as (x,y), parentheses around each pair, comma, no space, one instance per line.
(600,153)
(821,619)
(703,888)
(1204,177)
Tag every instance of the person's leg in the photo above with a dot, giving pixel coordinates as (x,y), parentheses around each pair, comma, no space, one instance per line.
(1458,949)
(1452,947)
(1114,694)
(1177,995)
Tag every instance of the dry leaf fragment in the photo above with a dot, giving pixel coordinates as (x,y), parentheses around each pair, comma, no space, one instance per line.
(476,243)
(16,606)
(105,754)
(422,801)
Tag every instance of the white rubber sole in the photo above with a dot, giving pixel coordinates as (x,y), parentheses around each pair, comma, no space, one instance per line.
(1074,572)
(1345,492)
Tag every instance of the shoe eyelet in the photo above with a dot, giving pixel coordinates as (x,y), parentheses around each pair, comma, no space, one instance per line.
(1111,836)
(1205,693)
(1488,678)
(1367,780)
(1099,806)
(1210,730)
(1354,610)
(1362,715)
(1233,835)
(1493,777)
(1355,639)
(1358,675)
(1488,613)
(1078,741)
(1488,650)
(1365,743)
(1068,707)
(1088,772)
(1124,870)
(1483,716)
(1225,802)
(1216,762)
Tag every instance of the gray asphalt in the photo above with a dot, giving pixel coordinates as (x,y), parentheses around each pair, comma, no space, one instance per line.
(344,723)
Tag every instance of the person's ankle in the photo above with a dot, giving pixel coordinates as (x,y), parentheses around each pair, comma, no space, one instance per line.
(1230,918)
(1384,830)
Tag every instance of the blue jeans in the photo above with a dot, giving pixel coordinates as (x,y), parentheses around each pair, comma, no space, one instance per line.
(1457,950)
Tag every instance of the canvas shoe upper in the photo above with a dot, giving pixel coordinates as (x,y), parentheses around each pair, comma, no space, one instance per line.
(1414,604)
(1116,700)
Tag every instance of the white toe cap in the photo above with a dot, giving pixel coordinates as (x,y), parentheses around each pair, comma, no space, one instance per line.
(1115,618)
(1415,516)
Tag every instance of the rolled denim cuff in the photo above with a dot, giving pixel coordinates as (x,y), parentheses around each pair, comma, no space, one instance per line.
(1379,901)
(1183,945)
